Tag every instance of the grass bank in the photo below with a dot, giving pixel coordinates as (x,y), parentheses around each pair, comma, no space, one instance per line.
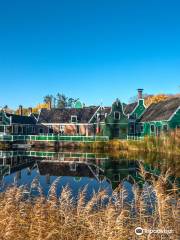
(169,144)
(55,218)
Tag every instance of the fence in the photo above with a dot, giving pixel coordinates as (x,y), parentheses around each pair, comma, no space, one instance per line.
(137,138)
(53,138)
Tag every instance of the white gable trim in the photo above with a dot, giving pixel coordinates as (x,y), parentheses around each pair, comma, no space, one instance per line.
(94,114)
(174,114)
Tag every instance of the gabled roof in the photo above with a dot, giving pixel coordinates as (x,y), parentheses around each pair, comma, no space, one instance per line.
(63,169)
(63,115)
(161,111)
(129,108)
(18,119)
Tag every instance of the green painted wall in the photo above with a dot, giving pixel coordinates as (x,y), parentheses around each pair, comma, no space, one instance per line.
(158,128)
(116,128)
(159,125)
(175,121)
(140,108)
(133,118)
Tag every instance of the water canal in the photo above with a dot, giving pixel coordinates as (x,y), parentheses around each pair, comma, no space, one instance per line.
(78,170)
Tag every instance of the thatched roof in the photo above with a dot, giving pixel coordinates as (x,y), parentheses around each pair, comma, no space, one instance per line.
(129,108)
(63,115)
(18,119)
(161,111)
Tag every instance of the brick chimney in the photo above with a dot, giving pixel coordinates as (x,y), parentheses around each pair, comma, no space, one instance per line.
(20,110)
(30,110)
(140,95)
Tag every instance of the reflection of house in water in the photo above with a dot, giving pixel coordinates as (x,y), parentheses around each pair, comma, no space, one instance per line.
(77,165)
(10,164)
(112,171)
(117,170)
(69,168)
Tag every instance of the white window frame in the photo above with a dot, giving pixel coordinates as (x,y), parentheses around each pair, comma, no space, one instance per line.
(73,116)
(152,124)
(115,115)
(163,127)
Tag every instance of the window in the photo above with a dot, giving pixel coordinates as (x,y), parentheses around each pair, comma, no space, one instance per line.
(33,129)
(1,128)
(134,116)
(50,130)
(165,128)
(16,129)
(158,130)
(41,130)
(116,115)
(152,128)
(74,119)
(20,130)
(141,128)
(1,119)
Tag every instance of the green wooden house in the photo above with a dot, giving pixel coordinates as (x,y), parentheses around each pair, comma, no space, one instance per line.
(134,111)
(16,124)
(115,124)
(160,118)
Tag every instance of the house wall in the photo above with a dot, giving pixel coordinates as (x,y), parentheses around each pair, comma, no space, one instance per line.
(172,124)
(68,129)
(158,128)
(16,129)
(175,121)
(115,128)
(138,111)
(133,118)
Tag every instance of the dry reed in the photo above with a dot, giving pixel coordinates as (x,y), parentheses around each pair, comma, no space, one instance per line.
(60,217)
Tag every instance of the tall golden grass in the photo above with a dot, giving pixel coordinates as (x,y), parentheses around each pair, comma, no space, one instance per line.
(169,143)
(54,218)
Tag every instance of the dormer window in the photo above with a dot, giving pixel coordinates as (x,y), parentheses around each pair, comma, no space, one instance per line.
(117,115)
(74,119)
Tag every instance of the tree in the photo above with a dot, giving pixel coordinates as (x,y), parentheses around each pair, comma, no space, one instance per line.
(48,98)
(62,100)
(71,102)
(155,99)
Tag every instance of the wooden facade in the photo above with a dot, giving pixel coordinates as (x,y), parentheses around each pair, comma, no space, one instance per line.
(118,121)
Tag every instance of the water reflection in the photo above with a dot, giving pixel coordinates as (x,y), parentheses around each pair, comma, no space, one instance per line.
(76,169)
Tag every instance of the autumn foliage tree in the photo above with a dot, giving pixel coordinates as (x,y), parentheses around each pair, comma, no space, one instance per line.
(155,99)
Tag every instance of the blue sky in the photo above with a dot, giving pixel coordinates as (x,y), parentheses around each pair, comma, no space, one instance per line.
(96,50)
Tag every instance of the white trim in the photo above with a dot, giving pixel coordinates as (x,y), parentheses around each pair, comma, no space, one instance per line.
(73,116)
(94,114)
(57,124)
(174,114)
(154,121)
(39,115)
(132,110)
(119,115)
(138,106)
